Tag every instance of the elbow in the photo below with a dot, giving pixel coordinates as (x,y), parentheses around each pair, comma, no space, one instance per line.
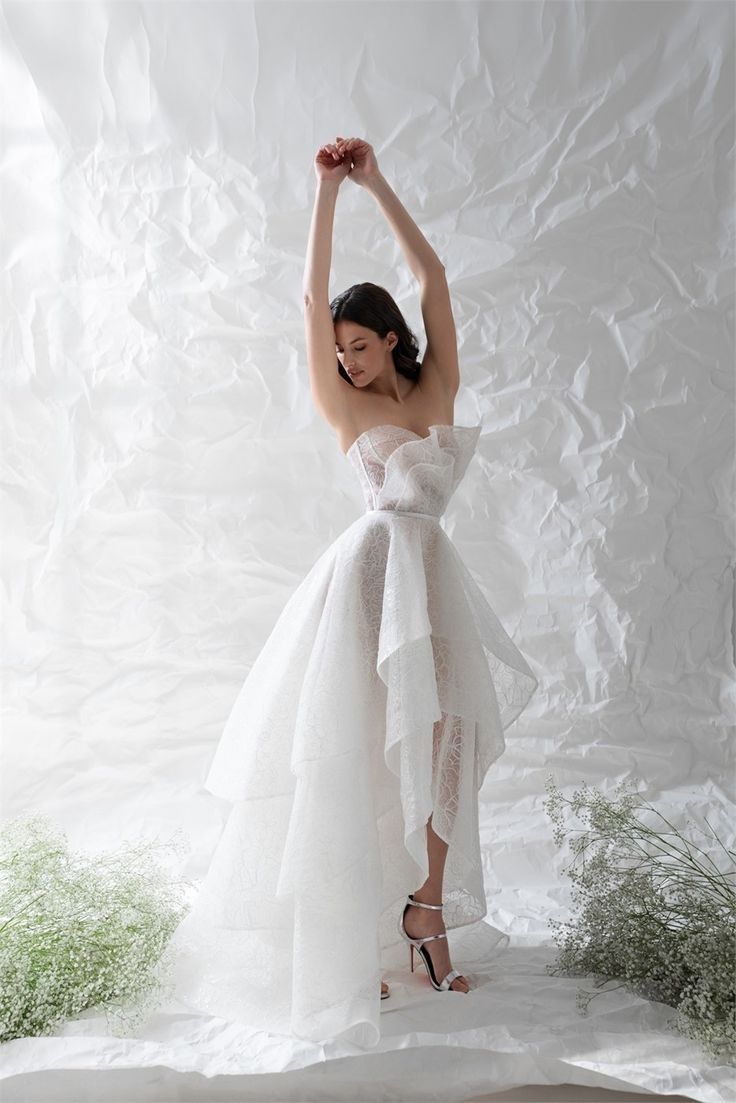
(312,299)
(430,269)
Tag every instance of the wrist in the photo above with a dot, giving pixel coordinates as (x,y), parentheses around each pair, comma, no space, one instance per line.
(373,183)
(328,186)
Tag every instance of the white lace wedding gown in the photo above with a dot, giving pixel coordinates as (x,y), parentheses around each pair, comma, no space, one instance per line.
(380,697)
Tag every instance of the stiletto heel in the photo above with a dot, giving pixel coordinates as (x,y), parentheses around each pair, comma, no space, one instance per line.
(418,945)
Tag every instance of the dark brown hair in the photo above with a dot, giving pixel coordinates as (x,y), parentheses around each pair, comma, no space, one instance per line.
(371,306)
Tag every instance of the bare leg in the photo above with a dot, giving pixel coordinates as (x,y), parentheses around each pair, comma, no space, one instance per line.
(436,854)
(419,922)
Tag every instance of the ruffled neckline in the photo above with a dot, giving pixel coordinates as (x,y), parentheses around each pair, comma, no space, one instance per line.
(412,434)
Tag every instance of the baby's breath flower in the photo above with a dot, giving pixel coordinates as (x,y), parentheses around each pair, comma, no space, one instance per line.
(79,932)
(658,914)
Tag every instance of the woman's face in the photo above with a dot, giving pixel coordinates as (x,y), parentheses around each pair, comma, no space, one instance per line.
(362,353)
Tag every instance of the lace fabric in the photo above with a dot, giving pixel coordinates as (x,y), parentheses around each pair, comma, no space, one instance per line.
(379,698)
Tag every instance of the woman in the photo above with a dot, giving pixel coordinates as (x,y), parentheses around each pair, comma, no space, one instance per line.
(356,747)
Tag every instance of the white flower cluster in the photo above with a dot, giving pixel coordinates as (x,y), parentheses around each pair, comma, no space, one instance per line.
(79,932)
(657,914)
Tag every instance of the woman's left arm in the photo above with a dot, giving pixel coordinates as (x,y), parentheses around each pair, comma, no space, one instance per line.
(420,256)
(441,356)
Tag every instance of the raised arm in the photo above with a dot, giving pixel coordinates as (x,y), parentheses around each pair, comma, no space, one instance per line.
(327,386)
(441,354)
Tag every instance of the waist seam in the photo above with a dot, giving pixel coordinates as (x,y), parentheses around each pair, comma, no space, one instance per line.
(403,512)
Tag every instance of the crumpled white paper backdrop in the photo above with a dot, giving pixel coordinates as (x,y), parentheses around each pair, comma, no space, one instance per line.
(167,482)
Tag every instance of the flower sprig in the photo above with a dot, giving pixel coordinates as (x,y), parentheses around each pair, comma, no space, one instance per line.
(657,913)
(80,932)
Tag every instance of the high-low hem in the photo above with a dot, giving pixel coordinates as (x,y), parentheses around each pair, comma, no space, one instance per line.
(379,699)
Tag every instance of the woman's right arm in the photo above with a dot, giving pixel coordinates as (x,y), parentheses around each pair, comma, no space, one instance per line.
(315,284)
(327,386)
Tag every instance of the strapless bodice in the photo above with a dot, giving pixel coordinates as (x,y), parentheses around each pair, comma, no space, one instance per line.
(402,472)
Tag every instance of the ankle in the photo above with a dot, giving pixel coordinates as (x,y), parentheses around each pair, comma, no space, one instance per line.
(428,896)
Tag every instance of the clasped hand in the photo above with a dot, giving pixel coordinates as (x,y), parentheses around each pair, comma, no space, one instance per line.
(346,157)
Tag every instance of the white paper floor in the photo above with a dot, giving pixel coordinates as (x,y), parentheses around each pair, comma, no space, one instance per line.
(517,1029)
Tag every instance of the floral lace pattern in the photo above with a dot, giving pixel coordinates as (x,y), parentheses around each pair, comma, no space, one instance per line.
(379,698)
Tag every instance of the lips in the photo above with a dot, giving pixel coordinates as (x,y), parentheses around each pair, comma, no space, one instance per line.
(353,374)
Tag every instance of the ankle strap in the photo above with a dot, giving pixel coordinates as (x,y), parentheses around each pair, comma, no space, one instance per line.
(419,904)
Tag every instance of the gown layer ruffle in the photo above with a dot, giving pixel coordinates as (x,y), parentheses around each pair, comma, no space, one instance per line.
(379,698)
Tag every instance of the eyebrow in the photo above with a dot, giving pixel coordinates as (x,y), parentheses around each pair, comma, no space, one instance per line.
(353,340)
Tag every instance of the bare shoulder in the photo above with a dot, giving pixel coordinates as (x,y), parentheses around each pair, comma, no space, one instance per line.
(344,427)
(346,414)
(426,402)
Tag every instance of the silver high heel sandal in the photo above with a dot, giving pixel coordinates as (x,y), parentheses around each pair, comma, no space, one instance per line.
(417,944)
